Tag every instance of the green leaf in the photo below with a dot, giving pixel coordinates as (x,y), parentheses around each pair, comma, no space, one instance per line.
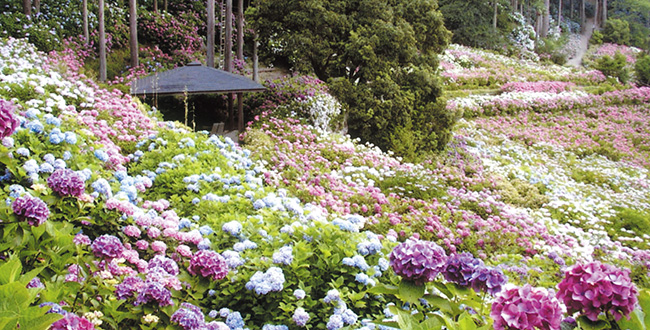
(10,271)
(588,324)
(410,292)
(644,302)
(440,303)
(635,322)
(35,318)
(465,322)
(381,288)
(14,298)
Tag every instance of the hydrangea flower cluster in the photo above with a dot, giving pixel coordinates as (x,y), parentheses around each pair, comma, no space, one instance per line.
(107,246)
(32,209)
(596,287)
(418,261)
(465,270)
(208,263)
(265,282)
(66,182)
(283,256)
(72,321)
(300,317)
(8,121)
(189,317)
(527,308)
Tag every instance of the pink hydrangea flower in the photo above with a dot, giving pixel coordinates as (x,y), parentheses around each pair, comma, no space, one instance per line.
(596,288)
(32,209)
(66,182)
(208,263)
(527,308)
(72,321)
(184,250)
(142,244)
(132,231)
(159,246)
(8,121)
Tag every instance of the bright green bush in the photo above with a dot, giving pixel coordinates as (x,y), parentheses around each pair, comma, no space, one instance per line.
(614,67)
(616,31)
(642,69)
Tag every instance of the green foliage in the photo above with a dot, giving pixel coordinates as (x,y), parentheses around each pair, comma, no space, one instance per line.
(629,225)
(552,49)
(471,22)
(596,38)
(614,67)
(642,69)
(616,31)
(637,14)
(380,57)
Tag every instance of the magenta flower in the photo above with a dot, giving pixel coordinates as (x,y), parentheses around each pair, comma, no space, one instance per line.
(8,121)
(32,209)
(208,263)
(107,246)
(66,182)
(189,317)
(460,268)
(72,322)
(418,261)
(527,308)
(597,288)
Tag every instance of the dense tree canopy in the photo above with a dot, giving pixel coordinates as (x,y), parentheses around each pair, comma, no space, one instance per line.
(380,57)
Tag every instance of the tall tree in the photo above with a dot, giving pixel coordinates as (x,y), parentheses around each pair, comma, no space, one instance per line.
(583,18)
(37,6)
(559,13)
(494,18)
(84,14)
(546,18)
(604,12)
(210,36)
(27,7)
(379,56)
(102,43)
(133,30)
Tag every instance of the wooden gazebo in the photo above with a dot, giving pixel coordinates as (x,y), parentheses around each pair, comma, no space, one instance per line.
(195,78)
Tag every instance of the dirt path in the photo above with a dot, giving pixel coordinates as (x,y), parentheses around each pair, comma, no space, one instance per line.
(584,44)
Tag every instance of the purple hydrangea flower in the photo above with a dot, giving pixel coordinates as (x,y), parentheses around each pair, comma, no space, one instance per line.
(284,255)
(8,121)
(32,209)
(189,317)
(35,283)
(301,317)
(460,268)
(72,321)
(66,182)
(165,263)
(107,246)
(208,263)
(488,279)
(526,308)
(128,287)
(418,261)
(154,291)
(596,287)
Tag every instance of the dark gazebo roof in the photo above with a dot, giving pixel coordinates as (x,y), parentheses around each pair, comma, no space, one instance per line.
(193,78)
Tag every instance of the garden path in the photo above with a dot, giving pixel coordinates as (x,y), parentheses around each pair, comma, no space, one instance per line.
(584,44)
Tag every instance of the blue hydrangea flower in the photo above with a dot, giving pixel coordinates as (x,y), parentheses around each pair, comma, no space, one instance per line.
(356,261)
(274,327)
(300,317)
(335,322)
(364,279)
(23,152)
(332,296)
(67,155)
(233,260)
(299,294)
(31,167)
(284,256)
(35,126)
(184,223)
(265,282)
(234,320)
(56,136)
(232,227)
(349,317)
(205,230)
(49,158)
(46,168)
(51,120)
(245,245)
(101,186)
(101,155)
(204,245)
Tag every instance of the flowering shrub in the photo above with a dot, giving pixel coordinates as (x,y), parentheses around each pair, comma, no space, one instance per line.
(526,308)
(66,182)
(208,263)
(595,288)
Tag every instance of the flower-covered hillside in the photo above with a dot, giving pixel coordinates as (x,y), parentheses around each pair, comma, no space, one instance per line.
(114,219)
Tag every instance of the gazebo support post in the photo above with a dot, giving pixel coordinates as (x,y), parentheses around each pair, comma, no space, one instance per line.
(240,57)
(228,59)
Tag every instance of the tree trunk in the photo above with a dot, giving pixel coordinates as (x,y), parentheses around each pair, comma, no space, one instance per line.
(133,30)
(559,13)
(165,5)
(256,68)
(494,18)
(210,43)
(37,6)
(84,13)
(27,7)
(240,30)
(604,11)
(571,9)
(596,14)
(583,19)
(546,18)
(155,6)
(102,43)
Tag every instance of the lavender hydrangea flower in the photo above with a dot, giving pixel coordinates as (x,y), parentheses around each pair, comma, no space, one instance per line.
(418,261)
(596,287)
(66,182)
(129,286)
(265,282)
(208,263)
(299,294)
(107,246)
(460,268)
(35,283)
(165,263)
(8,121)
(488,279)
(300,317)
(189,317)
(32,209)
(526,308)
(154,291)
